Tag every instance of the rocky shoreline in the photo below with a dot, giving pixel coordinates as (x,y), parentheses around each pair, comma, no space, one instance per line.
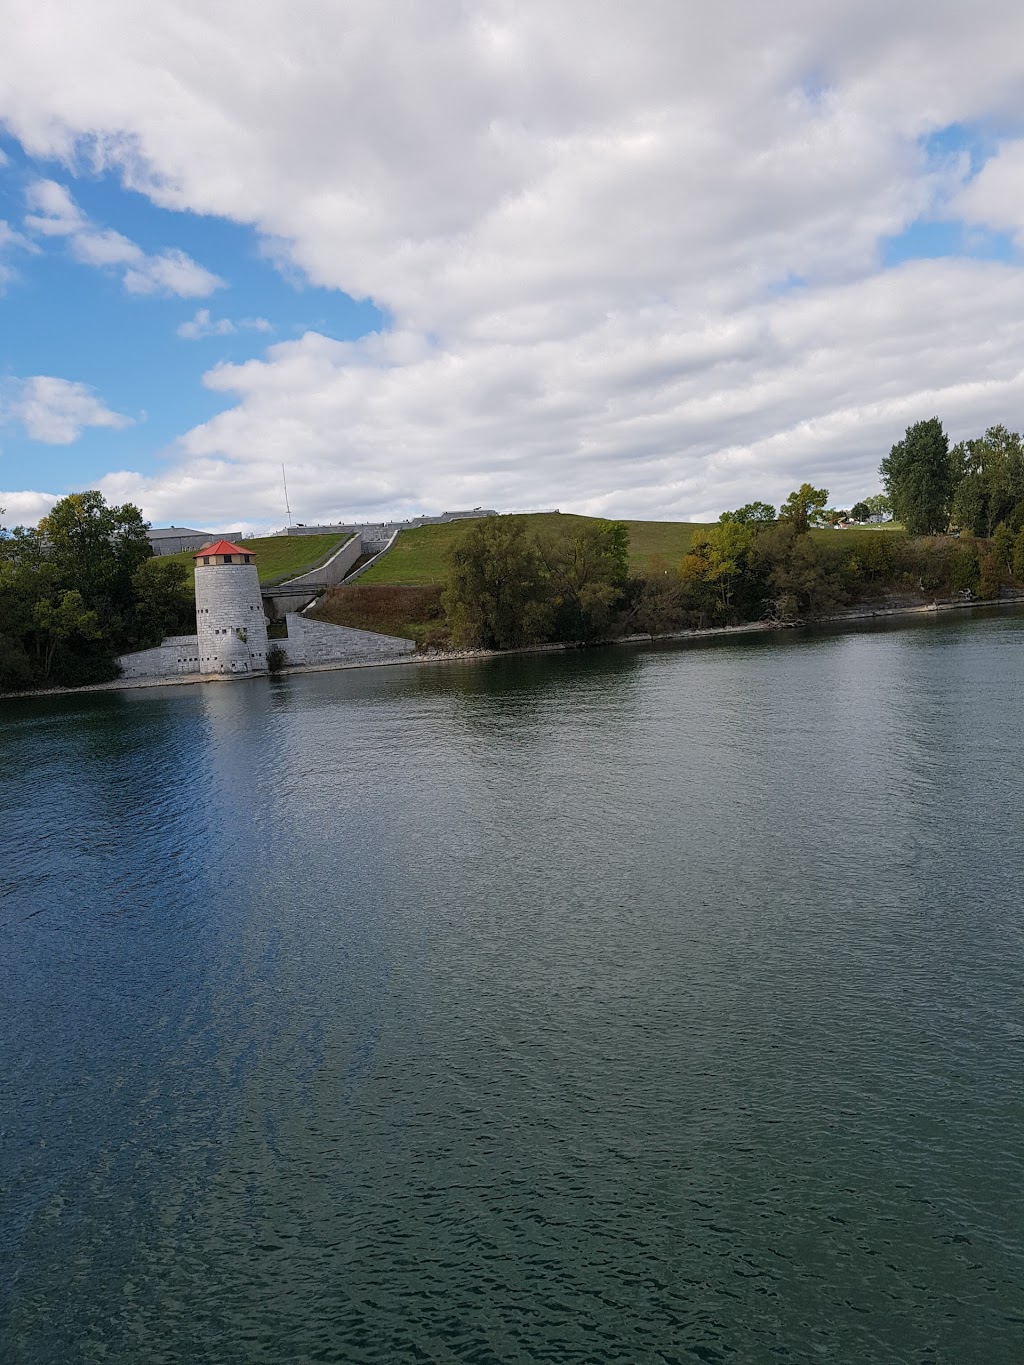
(851,617)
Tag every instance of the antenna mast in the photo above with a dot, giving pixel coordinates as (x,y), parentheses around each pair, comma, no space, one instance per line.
(288,509)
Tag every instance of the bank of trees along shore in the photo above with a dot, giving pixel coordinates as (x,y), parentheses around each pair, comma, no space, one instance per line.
(81,588)
(509,587)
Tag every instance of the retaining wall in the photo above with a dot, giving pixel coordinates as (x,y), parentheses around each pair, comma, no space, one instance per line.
(318,642)
(377,548)
(175,655)
(334,570)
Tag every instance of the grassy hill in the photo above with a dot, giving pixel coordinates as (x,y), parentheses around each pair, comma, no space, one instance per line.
(279,557)
(417,557)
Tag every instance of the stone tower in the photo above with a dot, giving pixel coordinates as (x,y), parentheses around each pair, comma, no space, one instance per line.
(230,623)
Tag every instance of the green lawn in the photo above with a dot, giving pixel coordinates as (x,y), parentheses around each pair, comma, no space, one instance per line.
(280,557)
(418,557)
(660,539)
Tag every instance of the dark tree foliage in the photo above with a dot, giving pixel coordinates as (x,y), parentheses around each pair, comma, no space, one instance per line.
(655,602)
(498,594)
(1002,546)
(919,477)
(164,600)
(508,588)
(587,565)
(74,593)
(989,477)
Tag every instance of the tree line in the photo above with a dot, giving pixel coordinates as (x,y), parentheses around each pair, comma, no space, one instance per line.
(509,586)
(977,486)
(83,586)
(80,588)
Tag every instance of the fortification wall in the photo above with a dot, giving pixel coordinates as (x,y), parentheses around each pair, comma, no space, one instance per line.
(334,570)
(228,601)
(385,528)
(318,642)
(176,655)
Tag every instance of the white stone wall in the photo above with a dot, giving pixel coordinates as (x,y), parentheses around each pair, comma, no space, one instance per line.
(177,654)
(229,618)
(318,642)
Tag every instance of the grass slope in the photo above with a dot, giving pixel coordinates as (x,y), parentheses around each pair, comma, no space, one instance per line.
(649,540)
(418,557)
(280,557)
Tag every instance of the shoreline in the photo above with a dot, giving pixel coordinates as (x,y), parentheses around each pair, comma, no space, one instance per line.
(555,647)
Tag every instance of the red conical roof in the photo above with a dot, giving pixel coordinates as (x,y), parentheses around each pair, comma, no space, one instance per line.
(222,547)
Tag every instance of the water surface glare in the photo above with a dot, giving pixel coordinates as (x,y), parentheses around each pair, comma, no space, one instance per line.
(615,1006)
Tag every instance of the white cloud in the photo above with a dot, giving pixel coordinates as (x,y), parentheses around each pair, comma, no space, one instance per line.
(25,508)
(10,240)
(56,411)
(995,197)
(55,213)
(667,417)
(583,220)
(203,325)
(171,272)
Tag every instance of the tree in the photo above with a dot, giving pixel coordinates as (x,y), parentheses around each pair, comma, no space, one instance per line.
(62,620)
(1002,546)
(656,599)
(587,564)
(800,580)
(15,668)
(860,511)
(498,594)
(96,550)
(69,600)
(878,505)
(751,514)
(804,508)
(989,476)
(919,478)
(164,599)
(718,572)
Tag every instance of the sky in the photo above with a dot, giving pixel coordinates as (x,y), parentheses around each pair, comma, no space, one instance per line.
(649,260)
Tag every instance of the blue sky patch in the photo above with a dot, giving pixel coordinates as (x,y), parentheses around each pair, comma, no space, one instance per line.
(929,241)
(78,322)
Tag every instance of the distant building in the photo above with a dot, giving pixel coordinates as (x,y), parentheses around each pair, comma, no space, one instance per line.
(171,540)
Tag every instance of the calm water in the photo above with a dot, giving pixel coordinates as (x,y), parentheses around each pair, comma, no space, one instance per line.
(614,1006)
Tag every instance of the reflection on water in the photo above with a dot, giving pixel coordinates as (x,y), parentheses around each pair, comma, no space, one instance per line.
(601,1006)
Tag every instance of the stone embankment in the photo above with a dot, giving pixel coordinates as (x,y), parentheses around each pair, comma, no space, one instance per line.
(318,642)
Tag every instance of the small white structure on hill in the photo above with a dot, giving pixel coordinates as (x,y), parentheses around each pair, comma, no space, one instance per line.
(230,623)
